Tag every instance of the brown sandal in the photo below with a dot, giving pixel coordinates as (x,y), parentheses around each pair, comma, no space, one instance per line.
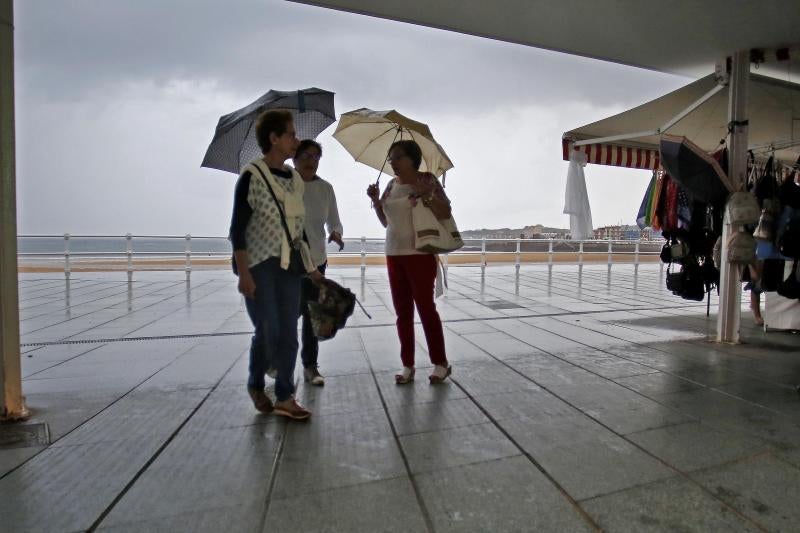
(261,401)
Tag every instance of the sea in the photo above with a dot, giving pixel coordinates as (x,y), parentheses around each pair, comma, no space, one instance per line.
(154,245)
(219,246)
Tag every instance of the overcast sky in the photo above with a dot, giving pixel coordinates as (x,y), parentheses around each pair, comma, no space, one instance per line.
(117,101)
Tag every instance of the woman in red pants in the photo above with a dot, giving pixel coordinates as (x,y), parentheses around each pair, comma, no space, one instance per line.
(412,274)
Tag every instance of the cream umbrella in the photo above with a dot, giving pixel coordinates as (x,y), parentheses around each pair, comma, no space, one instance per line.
(367,136)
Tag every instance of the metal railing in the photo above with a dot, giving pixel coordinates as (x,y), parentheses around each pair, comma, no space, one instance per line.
(123,250)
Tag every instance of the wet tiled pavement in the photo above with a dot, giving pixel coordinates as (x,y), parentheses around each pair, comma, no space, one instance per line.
(578,402)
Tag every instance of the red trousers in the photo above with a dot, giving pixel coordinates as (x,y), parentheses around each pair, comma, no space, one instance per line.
(412,279)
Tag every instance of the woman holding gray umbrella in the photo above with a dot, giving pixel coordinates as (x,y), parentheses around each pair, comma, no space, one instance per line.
(412,274)
(272,257)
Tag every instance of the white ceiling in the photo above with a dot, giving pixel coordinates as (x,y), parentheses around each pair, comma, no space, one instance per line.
(677,36)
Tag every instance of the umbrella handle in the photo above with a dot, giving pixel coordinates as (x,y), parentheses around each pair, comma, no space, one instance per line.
(378,181)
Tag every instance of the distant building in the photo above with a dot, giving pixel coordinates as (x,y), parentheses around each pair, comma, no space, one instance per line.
(533,232)
(619,233)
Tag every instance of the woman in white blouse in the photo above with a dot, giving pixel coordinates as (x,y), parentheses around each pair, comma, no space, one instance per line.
(412,274)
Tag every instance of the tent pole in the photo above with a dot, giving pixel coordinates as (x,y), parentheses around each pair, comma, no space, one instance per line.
(730,306)
(12,404)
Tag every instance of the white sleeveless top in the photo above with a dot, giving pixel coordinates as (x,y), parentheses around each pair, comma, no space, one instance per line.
(399,226)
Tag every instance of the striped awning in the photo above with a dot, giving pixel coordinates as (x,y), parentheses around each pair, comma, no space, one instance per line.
(615,155)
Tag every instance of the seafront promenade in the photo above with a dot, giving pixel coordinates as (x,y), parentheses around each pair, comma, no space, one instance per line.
(582,399)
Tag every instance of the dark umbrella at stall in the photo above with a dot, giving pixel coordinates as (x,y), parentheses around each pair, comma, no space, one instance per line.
(699,173)
(234,143)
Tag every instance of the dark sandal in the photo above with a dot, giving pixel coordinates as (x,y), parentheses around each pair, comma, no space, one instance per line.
(435,380)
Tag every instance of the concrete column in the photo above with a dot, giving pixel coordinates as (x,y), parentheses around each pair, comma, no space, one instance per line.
(12,404)
(730,287)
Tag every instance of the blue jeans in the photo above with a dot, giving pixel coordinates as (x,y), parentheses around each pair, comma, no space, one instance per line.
(274,313)
(310,350)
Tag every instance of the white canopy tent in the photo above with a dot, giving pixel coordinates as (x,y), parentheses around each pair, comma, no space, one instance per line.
(704,113)
(773,114)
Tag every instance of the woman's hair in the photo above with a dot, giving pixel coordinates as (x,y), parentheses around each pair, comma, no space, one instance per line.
(411,149)
(271,121)
(306,145)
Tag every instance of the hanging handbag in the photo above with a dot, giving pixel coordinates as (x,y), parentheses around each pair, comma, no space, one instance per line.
(790,287)
(742,209)
(716,253)
(692,285)
(679,250)
(741,248)
(788,238)
(666,253)
(765,230)
(296,266)
(432,235)
(674,281)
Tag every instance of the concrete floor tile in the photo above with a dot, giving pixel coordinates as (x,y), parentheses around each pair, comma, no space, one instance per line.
(502,495)
(528,404)
(432,451)
(583,457)
(341,394)
(674,504)
(201,469)
(490,378)
(763,488)
(693,446)
(388,506)
(11,458)
(656,383)
(336,451)
(211,519)
(66,489)
(434,416)
(342,363)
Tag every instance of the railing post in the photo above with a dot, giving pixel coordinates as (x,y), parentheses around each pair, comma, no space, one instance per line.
(517,255)
(483,255)
(129,254)
(580,253)
(66,256)
(188,258)
(363,255)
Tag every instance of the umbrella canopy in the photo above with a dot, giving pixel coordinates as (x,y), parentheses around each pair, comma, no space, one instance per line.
(699,173)
(367,136)
(234,143)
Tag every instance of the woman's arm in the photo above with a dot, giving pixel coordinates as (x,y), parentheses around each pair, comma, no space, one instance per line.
(379,211)
(377,203)
(434,198)
(238,230)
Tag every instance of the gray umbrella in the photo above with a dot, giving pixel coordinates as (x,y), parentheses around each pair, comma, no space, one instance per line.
(234,143)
